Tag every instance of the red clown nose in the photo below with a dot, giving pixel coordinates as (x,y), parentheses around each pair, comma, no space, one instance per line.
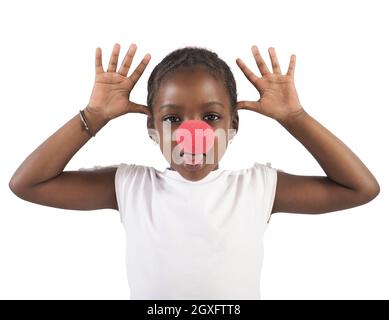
(195,136)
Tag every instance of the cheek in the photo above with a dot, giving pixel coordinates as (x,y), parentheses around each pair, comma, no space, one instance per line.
(166,137)
(221,135)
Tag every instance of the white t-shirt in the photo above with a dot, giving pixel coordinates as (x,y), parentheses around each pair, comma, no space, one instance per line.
(194,239)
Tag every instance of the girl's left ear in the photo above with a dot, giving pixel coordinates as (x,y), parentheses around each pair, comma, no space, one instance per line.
(150,122)
(235,121)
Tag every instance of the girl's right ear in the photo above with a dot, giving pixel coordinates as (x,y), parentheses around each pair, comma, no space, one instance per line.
(153,134)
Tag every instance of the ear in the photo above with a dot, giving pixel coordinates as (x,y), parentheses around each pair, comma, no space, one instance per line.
(150,122)
(235,120)
(152,132)
(233,130)
(151,128)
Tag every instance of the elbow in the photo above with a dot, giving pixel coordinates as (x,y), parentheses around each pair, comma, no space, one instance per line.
(16,187)
(375,192)
(371,192)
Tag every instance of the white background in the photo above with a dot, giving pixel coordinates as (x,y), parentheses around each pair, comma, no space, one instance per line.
(47,58)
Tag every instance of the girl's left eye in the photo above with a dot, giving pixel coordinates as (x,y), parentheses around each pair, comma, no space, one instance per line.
(212,115)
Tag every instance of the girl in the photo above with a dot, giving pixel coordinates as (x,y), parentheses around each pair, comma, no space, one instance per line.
(193,231)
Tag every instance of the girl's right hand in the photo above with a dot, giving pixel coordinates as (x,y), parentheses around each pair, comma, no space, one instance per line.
(111,91)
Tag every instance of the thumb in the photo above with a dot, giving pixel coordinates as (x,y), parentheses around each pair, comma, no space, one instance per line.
(248,105)
(139,108)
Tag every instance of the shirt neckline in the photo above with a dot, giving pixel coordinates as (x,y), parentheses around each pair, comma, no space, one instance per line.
(177,176)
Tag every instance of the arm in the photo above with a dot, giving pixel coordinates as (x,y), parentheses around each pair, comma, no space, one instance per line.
(41,179)
(348,182)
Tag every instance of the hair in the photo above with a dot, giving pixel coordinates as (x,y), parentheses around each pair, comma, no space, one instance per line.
(188,57)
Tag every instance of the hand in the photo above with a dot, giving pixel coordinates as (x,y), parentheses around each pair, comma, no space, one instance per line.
(278,95)
(111,91)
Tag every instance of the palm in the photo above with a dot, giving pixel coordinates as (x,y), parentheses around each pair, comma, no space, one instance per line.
(278,95)
(111,90)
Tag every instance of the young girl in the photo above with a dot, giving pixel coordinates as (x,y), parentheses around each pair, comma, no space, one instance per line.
(193,231)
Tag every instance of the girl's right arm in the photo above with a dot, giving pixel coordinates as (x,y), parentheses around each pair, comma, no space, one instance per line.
(41,179)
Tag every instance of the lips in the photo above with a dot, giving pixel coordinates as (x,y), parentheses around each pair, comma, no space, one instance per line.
(193,159)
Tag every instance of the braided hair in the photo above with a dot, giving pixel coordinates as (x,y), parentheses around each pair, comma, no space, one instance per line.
(188,57)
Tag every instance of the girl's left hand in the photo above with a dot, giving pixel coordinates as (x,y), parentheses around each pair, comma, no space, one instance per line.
(278,95)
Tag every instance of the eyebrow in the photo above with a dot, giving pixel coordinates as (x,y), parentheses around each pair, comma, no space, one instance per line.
(171,105)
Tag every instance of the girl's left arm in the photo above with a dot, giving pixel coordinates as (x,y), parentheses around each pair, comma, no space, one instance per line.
(348,183)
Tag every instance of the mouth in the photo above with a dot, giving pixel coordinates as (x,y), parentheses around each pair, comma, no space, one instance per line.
(193,161)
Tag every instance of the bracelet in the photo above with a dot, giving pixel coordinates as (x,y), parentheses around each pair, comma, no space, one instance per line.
(85,123)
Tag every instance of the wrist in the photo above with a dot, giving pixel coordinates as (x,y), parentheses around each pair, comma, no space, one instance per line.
(96,116)
(94,119)
(293,117)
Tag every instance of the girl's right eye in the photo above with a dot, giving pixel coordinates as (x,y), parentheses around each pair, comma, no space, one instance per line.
(170,118)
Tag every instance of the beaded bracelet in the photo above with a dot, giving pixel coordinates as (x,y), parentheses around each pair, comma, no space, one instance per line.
(85,123)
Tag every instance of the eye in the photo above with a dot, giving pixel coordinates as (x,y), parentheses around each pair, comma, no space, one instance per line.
(213,117)
(174,117)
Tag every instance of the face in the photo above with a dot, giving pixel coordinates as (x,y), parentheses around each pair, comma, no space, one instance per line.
(186,95)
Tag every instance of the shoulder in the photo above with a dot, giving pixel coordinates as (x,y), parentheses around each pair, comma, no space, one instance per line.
(264,173)
(131,180)
(264,167)
(260,171)
(262,177)
(135,171)
(265,178)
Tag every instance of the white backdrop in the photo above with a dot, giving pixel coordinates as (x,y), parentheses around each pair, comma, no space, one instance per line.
(47,56)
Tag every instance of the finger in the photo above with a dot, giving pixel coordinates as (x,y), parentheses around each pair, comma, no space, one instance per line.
(248,105)
(98,61)
(126,64)
(134,77)
(247,72)
(113,61)
(292,65)
(139,108)
(263,69)
(274,61)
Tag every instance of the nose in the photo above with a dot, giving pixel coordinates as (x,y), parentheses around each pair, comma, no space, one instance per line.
(195,136)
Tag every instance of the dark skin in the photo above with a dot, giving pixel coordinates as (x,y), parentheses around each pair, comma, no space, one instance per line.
(41,177)
(348,183)
(186,95)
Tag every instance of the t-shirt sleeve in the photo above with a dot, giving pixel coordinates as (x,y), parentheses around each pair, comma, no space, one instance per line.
(267,182)
(122,185)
